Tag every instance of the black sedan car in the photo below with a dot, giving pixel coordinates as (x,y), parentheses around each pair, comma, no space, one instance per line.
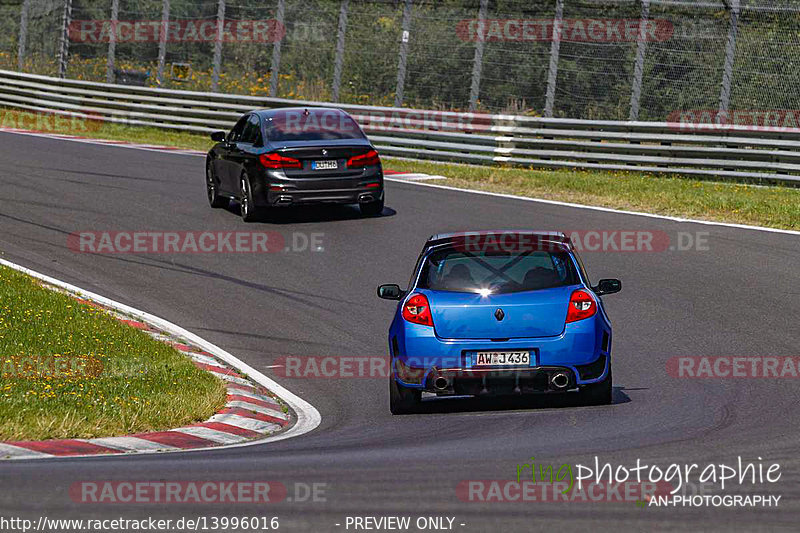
(294,156)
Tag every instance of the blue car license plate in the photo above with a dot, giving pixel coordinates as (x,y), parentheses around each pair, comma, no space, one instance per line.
(510,358)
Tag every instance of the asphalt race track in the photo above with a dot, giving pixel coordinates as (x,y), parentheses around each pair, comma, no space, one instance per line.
(739,297)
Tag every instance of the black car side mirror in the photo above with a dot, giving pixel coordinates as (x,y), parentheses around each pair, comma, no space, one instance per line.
(607,286)
(218,136)
(390,292)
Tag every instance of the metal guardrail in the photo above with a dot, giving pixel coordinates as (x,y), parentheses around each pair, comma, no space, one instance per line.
(736,152)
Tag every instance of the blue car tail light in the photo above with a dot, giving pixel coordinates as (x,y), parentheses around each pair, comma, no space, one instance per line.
(417,310)
(581,306)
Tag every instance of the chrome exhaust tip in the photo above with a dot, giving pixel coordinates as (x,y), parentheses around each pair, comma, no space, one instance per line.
(441,383)
(560,380)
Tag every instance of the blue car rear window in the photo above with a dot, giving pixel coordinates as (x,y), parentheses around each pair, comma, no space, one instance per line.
(497,272)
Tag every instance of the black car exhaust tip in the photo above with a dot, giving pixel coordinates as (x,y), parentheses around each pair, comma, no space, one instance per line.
(559,380)
(365,198)
(284,200)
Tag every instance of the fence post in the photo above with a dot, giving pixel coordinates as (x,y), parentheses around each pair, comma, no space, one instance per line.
(112,42)
(730,55)
(339,61)
(276,50)
(218,46)
(552,71)
(477,62)
(162,41)
(63,49)
(401,62)
(638,69)
(23,33)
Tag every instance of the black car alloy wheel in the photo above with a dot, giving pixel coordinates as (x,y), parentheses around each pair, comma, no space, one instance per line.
(248,210)
(212,189)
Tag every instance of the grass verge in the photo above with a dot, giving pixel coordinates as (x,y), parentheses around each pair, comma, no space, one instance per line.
(776,206)
(70,370)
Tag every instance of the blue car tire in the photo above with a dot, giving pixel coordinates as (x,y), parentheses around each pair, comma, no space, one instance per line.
(598,393)
(403,400)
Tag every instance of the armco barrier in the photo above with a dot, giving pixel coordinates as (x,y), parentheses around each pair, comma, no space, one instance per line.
(721,151)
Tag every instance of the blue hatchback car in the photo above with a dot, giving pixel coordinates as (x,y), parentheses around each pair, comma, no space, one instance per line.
(499,312)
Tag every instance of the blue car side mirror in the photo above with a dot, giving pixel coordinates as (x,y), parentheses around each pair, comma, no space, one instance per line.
(390,292)
(607,286)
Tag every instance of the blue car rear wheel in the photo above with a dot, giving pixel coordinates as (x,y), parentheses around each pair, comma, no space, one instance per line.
(403,400)
(598,393)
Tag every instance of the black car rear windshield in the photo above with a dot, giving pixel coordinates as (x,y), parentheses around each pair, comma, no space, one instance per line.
(311,125)
(497,272)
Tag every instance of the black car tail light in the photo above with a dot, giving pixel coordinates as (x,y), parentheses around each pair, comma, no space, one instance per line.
(274,160)
(364,160)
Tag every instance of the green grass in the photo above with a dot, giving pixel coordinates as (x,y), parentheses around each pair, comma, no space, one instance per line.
(776,206)
(725,201)
(113,379)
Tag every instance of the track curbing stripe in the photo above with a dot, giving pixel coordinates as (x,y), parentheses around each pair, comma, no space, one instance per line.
(252,401)
(271,411)
(256,430)
(130,444)
(220,437)
(227,428)
(16,452)
(175,439)
(259,426)
(65,447)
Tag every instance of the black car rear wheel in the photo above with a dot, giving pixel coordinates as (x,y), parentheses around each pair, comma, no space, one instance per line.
(212,188)
(372,209)
(403,400)
(247,207)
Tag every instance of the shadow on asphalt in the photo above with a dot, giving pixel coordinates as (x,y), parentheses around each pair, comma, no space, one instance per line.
(311,213)
(439,405)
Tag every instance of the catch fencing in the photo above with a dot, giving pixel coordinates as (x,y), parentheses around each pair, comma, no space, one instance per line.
(638,60)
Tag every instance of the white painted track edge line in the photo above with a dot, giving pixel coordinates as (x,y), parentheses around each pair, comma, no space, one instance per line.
(596,207)
(308,418)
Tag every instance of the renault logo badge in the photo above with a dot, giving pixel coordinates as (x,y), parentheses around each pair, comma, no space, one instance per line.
(499,315)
